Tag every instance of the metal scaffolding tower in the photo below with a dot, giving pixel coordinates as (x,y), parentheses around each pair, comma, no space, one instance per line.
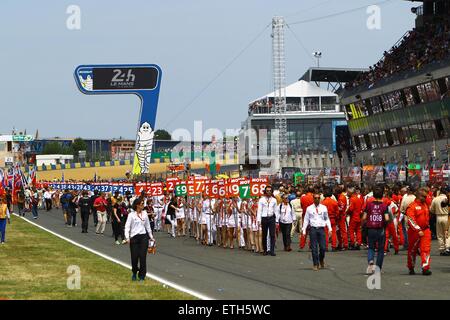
(279,77)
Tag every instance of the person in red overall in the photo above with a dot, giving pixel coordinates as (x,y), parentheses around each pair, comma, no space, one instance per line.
(333,213)
(419,233)
(342,223)
(355,210)
(306,200)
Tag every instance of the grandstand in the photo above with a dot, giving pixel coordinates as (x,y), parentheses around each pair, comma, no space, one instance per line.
(398,110)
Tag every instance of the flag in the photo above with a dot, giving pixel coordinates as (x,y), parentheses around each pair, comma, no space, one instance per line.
(32,176)
(2,178)
(10,178)
(22,177)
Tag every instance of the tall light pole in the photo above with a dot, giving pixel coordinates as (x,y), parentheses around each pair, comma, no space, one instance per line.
(317,55)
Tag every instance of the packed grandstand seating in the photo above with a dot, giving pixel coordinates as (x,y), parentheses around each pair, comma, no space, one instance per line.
(418,48)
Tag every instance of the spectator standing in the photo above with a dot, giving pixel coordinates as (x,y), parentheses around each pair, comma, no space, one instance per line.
(4,217)
(48,199)
(85,209)
(93,209)
(267,215)
(138,233)
(376,216)
(441,212)
(100,205)
(286,216)
(316,218)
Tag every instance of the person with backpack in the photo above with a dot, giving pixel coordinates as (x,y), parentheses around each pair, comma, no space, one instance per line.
(286,217)
(376,215)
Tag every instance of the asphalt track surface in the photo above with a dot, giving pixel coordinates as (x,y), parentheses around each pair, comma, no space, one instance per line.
(237,274)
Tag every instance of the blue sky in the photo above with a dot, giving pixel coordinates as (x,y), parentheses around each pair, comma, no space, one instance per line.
(192,41)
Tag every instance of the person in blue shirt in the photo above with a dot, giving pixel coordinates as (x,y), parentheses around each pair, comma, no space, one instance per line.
(66,198)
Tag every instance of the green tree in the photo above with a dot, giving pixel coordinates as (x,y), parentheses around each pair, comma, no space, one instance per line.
(78,145)
(162,135)
(52,148)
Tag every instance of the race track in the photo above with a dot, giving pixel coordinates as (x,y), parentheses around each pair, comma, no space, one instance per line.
(236,274)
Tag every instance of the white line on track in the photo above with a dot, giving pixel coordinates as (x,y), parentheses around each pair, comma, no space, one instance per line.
(150,275)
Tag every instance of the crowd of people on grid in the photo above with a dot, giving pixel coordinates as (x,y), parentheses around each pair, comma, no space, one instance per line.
(346,217)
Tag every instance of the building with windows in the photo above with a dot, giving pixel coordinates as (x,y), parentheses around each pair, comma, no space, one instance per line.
(399,111)
(317,130)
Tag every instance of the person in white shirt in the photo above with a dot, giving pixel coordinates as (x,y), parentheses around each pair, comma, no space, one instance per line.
(286,216)
(158,205)
(316,217)
(48,199)
(138,233)
(267,206)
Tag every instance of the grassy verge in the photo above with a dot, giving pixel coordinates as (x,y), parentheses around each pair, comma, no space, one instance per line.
(34,266)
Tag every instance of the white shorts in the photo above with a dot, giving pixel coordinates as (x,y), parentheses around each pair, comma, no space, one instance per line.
(205,218)
(232,221)
(180,214)
(194,215)
(255,226)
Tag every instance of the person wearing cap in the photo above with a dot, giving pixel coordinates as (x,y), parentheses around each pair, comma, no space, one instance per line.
(316,217)
(4,217)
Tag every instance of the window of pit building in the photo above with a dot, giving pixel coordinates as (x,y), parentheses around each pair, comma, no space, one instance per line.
(417,132)
(429,131)
(328,103)
(394,135)
(368,142)
(362,142)
(409,97)
(357,143)
(377,107)
(429,91)
(401,135)
(311,104)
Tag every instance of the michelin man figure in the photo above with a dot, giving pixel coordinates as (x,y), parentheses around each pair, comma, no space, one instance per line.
(144,146)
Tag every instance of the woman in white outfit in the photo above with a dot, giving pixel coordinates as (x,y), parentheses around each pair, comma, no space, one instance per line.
(180,215)
(218,209)
(232,221)
(245,224)
(205,207)
(256,226)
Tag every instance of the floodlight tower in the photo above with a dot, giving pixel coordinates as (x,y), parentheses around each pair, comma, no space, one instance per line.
(279,77)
